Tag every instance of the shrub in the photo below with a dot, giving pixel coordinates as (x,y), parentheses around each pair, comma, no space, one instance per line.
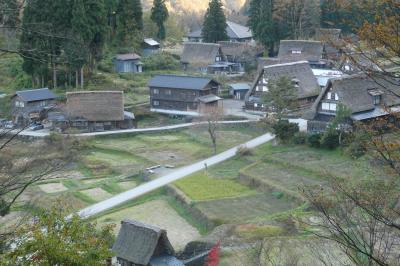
(300,138)
(330,140)
(314,140)
(160,61)
(284,130)
(278,194)
(356,144)
(244,151)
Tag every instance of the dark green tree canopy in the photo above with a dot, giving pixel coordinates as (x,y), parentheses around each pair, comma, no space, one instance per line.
(129,22)
(214,26)
(159,14)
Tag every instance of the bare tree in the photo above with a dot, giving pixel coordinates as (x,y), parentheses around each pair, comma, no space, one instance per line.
(212,115)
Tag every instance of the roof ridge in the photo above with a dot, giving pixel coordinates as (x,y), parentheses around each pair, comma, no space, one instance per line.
(181,76)
(202,43)
(33,90)
(288,64)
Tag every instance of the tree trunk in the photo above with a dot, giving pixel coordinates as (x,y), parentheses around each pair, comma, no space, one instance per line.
(82,78)
(54,76)
(76,79)
(42,77)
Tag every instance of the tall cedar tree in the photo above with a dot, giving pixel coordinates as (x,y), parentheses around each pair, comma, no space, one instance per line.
(214,26)
(130,22)
(262,24)
(159,14)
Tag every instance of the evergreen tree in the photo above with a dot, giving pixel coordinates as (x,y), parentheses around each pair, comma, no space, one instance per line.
(262,24)
(159,14)
(214,26)
(130,22)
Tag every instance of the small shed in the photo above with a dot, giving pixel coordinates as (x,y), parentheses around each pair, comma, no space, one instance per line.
(142,244)
(128,63)
(238,90)
(150,46)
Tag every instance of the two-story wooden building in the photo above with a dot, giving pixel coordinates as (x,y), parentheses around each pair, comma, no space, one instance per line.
(31,105)
(366,97)
(183,95)
(299,72)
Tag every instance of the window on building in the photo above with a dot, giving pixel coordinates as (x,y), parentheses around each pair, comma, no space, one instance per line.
(264,88)
(256,105)
(156,103)
(329,106)
(377,99)
(296,51)
(218,58)
(168,92)
(19,104)
(42,103)
(156,91)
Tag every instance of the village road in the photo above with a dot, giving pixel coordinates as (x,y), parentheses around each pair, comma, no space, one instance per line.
(169,178)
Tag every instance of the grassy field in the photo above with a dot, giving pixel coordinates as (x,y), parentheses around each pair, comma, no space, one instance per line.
(201,187)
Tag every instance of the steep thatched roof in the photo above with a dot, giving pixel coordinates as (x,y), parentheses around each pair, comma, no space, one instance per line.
(195,53)
(127,57)
(299,71)
(296,50)
(355,92)
(240,50)
(138,242)
(96,105)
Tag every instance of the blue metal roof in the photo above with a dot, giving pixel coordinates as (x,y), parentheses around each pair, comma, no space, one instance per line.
(165,261)
(36,95)
(180,82)
(240,86)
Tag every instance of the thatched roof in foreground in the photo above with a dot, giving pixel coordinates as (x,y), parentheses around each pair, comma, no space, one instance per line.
(196,53)
(138,242)
(96,105)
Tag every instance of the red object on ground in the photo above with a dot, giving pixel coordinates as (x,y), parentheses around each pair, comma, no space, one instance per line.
(213,256)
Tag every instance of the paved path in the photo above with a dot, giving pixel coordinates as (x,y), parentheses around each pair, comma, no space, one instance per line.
(44,133)
(169,178)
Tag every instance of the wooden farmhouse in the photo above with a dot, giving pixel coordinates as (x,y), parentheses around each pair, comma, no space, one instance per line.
(235,32)
(127,63)
(207,58)
(91,111)
(299,72)
(183,95)
(238,91)
(140,244)
(240,53)
(367,98)
(150,46)
(301,50)
(29,106)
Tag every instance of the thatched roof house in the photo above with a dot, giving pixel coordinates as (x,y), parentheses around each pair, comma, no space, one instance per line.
(366,97)
(296,50)
(240,52)
(302,77)
(142,244)
(96,105)
(332,43)
(200,54)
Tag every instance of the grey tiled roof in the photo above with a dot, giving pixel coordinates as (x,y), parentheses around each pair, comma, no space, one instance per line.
(234,31)
(36,95)
(180,82)
(137,242)
(124,57)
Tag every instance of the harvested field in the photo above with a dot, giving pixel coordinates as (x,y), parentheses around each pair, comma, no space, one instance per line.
(243,209)
(159,213)
(93,180)
(97,194)
(53,188)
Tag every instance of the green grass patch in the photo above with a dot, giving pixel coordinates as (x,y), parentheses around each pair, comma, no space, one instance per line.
(83,197)
(200,187)
(258,232)
(112,188)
